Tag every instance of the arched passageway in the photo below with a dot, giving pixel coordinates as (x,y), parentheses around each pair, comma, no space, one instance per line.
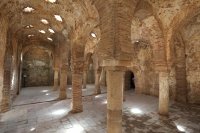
(129,80)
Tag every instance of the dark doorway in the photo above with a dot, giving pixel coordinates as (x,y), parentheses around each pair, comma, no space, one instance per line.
(132,82)
(129,80)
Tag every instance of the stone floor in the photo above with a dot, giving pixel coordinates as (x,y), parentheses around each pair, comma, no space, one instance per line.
(139,116)
(45,94)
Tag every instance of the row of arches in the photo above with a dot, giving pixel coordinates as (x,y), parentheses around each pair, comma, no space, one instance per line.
(143,40)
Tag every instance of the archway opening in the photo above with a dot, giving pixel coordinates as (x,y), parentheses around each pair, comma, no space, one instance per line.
(129,82)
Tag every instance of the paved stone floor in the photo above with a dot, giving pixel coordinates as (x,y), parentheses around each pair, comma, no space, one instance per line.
(45,94)
(139,116)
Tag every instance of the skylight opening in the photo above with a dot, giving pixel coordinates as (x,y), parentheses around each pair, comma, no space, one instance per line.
(42,31)
(44,21)
(51,30)
(93,35)
(50,39)
(30,36)
(58,18)
(51,1)
(29,26)
(28,9)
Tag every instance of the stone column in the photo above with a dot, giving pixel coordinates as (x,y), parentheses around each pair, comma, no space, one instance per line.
(103,78)
(63,83)
(163,93)
(15,72)
(84,79)
(140,82)
(56,79)
(77,105)
(97,83)
(115,100)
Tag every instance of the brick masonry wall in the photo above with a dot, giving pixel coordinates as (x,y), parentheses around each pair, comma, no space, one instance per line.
(37,69)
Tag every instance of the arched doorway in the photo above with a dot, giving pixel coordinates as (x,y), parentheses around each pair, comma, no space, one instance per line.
(129,80)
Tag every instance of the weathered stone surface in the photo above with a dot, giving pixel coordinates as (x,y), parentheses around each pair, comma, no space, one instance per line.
(37,64)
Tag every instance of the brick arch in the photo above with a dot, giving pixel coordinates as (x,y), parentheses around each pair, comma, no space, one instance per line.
(152,32)
(150,46)
(43,46)
(178,22)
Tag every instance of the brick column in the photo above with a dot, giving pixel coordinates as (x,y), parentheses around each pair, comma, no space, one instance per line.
(115,100)
(163,93)
(6,101)
(6,97)
(61,60)
(56,79)
(97,82)
(77,57)
(77,105)
(3,43)
(63,83)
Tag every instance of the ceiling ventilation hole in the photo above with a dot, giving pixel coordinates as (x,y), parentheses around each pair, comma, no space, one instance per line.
(28,9)
(30,36)
(51,30)
(42,31)
(44,21)
(51,1)
(93,35)
(29,26)
(50,39)
(58,18)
